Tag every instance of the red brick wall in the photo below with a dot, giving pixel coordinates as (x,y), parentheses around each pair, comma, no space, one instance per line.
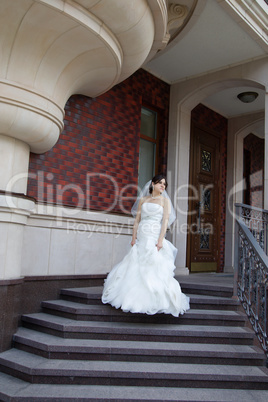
(101,138)
(255,147)
(208,119)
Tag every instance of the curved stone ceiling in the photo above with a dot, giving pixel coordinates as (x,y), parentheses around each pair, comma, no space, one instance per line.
(51,49)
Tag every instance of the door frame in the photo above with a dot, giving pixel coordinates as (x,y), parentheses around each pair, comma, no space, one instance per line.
(194,126)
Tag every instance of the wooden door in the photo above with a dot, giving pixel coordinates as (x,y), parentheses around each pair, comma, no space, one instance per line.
(204,202)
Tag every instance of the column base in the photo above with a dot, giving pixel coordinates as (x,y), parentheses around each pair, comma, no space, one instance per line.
(14,212)
(228,270)
(181,271)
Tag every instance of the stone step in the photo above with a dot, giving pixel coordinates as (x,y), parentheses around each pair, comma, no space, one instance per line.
(83,312)
(157,332)
(15,390)
(53,347)
(92,295)
(37,369)
(209,289)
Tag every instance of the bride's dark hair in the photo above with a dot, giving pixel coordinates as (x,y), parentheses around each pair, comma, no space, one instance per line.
(156,179)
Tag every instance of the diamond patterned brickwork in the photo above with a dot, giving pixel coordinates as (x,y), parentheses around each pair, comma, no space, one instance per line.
(96,156)
(212,121)
(255,146)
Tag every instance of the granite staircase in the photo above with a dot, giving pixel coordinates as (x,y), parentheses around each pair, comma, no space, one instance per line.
(77,349)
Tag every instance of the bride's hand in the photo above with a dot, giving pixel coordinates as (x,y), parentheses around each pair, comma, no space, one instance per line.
(133,242)
(159,245)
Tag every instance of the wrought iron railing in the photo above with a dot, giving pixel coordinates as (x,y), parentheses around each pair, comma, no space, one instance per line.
(251,268)
(256,220)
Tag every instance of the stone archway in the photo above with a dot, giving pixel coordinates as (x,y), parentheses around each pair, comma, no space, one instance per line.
(184,97)
(239,128)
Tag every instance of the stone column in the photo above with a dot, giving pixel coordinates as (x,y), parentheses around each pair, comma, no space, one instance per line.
(178,177)
(14,160)
(28,121)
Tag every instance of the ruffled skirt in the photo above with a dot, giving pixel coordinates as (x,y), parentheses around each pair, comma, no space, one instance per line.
(143,282)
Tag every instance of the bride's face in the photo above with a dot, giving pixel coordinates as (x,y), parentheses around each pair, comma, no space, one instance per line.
(160,186)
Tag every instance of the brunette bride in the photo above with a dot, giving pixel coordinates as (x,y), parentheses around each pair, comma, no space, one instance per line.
(143,282)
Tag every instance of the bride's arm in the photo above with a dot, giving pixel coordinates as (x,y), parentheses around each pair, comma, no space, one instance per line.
(136,223)
(164,226)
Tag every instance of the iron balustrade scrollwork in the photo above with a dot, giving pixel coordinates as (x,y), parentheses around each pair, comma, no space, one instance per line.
(256,219)
(251,275)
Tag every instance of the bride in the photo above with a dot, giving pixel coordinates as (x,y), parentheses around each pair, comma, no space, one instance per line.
(143,282)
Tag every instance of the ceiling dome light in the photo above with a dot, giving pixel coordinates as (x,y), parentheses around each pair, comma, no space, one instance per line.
(247,97)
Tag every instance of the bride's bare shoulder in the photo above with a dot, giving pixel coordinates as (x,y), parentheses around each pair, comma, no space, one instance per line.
(144,199)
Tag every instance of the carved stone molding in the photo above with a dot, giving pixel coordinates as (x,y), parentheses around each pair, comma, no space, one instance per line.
(177,14)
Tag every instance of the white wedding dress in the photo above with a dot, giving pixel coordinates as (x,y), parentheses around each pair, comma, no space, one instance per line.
(143,282)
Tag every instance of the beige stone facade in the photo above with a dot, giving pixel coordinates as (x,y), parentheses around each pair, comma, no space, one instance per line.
(52,49)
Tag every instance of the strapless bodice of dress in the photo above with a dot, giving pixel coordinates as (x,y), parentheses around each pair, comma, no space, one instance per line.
(151,221)
(151,211)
